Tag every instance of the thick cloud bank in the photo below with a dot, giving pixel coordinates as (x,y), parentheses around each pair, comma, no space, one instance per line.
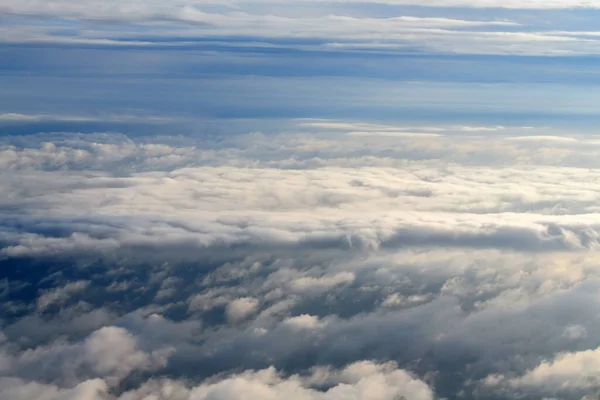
(339,261)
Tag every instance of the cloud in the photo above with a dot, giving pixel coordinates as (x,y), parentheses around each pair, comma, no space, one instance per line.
(16,389)
(16,117)
(568,373)
(333,207)
(59,295)
(361,380)
(343,27)
(180,9)
(568,370)
(513,4)
(110,353)
(304,321)
(310,284)
(113,351)
(240,309)
(313,264)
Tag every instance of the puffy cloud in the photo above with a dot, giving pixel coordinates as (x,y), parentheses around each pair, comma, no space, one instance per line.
(362,380)
(304,321)
(577,370)
(275,265)
(240,309)
(16,389)
(568,374)
(113,351)
(59,295)
(457,205)
(110,353)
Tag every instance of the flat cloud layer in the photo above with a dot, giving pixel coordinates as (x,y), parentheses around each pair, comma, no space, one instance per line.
(432,262)
(305,25)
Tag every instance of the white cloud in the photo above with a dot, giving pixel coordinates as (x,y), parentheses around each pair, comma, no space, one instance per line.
(414,202)
(395,300)
(308,284)
(77,118)
(113,350)
(568,374)
(110,353)
(512,4)
(567,370)
(59,295)
(207,301)
(304,321)
(240,309)
(361,381)
(459,257)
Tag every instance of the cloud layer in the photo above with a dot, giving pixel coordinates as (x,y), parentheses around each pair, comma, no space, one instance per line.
(407,27)
(348,260)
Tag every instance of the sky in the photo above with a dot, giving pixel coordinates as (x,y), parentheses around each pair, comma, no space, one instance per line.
(299,199)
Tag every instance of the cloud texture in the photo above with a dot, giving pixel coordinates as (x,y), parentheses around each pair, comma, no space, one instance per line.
(343,260)
(407,26)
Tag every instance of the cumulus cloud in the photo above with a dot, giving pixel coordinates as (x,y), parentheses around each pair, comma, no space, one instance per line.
(360,380)
(110,353)
(568,374)
(575,370)
(240,309)
(314,265)
(113,351)
(59,295)
(304,321)
(16,389)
